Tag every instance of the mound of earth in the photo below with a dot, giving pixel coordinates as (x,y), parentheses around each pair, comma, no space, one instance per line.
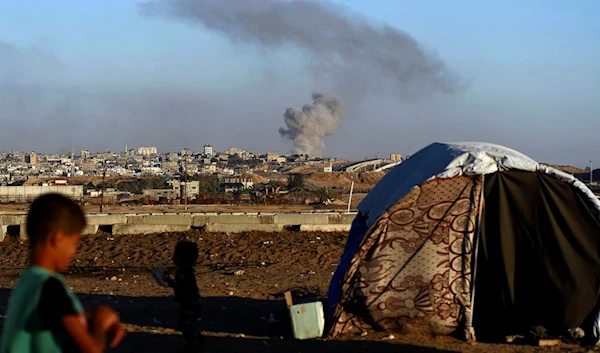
(567,169)
(363,181)
(317,167)
(258,179)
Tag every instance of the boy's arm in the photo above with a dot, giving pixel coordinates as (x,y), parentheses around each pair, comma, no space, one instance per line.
(87,342)
(104,320)
(56,308)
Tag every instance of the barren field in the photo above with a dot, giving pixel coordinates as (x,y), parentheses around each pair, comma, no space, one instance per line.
(117,271)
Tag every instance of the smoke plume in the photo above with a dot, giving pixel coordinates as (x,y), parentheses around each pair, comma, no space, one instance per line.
(356,56)
(307,127)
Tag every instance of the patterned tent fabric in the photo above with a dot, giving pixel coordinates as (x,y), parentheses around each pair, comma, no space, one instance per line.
(412,271)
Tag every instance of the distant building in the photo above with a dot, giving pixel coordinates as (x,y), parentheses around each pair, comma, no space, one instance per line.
(272,156)
(158,193)
(85,154)
(210,168)
(60,181)
(234,184)
(208,150)
(328,169)
(147,151)
(396,157)
(232,151)
(31,158)
(191,189)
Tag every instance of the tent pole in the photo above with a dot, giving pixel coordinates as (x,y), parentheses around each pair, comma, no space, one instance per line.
(350,198)
(470,331)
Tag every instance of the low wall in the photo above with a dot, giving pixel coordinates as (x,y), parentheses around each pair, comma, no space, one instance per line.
(144,223)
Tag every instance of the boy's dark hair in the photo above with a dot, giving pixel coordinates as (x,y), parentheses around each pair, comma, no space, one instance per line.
(187,252)
(51,213)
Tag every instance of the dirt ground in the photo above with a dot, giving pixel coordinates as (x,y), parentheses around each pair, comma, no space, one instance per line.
(117,271)
(338,206)
(22,208)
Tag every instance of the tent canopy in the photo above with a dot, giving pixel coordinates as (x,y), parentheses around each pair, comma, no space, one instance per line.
(453,210)
(443,160)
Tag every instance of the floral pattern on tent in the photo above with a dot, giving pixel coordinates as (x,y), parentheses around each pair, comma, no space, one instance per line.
(412,271)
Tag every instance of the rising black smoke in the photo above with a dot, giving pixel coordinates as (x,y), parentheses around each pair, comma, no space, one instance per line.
(307,127)
(358,57)
(337,43)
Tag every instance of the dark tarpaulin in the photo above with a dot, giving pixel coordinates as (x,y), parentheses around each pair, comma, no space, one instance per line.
(539,256)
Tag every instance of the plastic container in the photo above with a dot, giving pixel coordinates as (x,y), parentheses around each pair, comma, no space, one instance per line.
(308,320)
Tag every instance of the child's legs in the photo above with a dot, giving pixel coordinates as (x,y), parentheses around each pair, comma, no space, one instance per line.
(189,325)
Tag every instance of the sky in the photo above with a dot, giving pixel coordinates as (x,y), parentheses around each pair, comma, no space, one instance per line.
(100,75)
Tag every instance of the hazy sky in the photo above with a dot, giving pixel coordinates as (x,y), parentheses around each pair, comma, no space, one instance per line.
(101,74)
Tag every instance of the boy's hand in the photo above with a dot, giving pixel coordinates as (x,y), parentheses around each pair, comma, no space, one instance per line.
(115,335)
(108,322)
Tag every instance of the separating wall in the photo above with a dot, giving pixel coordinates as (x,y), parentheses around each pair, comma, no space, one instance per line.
(145,223)
(27,193)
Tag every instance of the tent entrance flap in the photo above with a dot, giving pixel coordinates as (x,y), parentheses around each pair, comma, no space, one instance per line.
(412,270)
(538,262)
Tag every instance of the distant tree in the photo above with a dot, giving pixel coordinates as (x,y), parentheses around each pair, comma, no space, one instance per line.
(138,185)
(234,158)
(107,185)
(207,183)
(296,182)
(325,192)
(275,183)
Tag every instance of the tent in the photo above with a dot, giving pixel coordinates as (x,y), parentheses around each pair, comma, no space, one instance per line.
(471,236)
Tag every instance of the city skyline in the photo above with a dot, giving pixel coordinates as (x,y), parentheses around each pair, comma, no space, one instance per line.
(214,152)
(202,150)
(99,75)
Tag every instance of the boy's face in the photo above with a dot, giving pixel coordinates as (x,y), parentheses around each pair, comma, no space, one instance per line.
(65,247)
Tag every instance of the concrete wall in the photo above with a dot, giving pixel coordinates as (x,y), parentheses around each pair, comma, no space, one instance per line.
(144,223)
(31,192)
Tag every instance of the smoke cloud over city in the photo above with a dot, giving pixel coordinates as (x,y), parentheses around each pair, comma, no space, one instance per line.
(358,56)
(53,102)
(307,127)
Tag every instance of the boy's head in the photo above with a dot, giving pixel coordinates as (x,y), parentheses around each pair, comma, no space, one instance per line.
(186,253)
(54,226)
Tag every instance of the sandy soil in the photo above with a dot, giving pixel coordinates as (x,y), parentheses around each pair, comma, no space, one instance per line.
(117,271)
(363,181)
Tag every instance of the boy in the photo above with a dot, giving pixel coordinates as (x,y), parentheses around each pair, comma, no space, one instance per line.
(43,314)
(186,293)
